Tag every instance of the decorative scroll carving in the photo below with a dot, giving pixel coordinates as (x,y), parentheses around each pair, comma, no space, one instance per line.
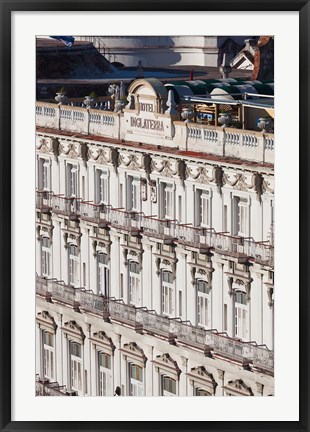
(201,176)
(72,328)
(165,169)
(132,162)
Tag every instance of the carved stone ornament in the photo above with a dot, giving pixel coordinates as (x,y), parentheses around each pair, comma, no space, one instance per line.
(165,168)
(100,338)
(132,349)
(70,149)
(238,387)
(131,161)
(164,361)
(43,146)
(45,320)
(71,328)
(143,189)
(201,175)
(100,155)
(153,191)
(201,376)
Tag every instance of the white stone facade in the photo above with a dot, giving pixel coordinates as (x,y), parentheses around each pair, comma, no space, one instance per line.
(154,263)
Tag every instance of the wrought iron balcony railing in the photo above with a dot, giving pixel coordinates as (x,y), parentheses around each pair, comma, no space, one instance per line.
(166,230)
(148,321)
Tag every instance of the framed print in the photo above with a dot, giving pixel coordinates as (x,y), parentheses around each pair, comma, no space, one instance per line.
(155,192)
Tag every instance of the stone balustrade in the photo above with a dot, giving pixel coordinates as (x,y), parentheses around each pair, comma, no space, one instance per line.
(169,230)
(174,330)
(228,141)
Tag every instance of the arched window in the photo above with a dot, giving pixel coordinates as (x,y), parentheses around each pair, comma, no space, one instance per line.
(168,386)
(103,274)
(201,392)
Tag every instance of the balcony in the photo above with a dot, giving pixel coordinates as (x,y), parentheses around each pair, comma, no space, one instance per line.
(47,388)
(43,201)
(173,330)
(163,229)
(66,206)
(96,213)
(168,231)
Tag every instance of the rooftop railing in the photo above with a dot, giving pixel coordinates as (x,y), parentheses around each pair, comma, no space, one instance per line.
(164,229)
(183,332)
(222,141)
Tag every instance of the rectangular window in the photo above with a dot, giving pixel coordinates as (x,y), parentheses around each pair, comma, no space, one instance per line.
(167,293)
(133,194)
(241,218)
(203,208)
(134,284)
(72,180)
(135,380)
(74,277)
(44,174)
(103,274)
(202,303)
(102,187)
(76,366)
(240,315)
(166,200)
(46,257)
(105,375)
(48,355)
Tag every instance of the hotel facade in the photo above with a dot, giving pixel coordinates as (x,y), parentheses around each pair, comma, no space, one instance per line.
(154,249)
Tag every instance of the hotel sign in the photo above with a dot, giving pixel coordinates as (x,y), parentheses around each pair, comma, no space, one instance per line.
(144,123)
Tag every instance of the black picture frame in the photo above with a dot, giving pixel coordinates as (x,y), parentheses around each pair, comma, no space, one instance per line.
(9,6)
